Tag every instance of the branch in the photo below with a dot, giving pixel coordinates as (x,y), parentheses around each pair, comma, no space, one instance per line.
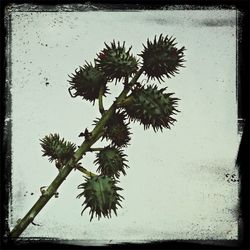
(136,76)
(125,102)
(101,92)
(95,149)
(62,175)
(48,193)
(85,171)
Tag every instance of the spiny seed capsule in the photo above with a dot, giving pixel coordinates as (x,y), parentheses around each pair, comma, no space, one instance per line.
(116,62)
(117,130)
(161,57)
(57,149)
(111,161)
(152,107)
(101,196)
(87,82)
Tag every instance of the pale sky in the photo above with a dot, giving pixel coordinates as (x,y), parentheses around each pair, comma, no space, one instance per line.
(175,187)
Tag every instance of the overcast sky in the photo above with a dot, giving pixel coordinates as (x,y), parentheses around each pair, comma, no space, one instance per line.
(176,186)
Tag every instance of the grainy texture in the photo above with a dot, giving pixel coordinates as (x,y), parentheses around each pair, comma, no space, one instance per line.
(180,183)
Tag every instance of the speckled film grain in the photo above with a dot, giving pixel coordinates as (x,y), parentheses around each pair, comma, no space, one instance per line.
(182,183)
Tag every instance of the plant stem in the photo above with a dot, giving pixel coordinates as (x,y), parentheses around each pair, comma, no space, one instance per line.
(136,76)
(101,92)
(95,149)
(52,188)
(125,102)
(85,171)
(48,193)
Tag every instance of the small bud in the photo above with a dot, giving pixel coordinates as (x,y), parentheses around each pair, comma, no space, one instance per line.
(57,149)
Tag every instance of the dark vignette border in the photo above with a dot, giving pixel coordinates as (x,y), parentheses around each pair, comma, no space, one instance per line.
(243,118)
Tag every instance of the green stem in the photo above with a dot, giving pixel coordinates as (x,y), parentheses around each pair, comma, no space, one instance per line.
(62,175)
(125,102)
(95,149)
(49,192)
(136,76)
(85,171)
(101,92)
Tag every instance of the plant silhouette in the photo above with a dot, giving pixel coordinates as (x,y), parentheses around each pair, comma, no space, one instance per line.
(148,104)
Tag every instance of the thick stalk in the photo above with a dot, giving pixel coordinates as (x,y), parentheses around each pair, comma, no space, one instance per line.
(65,171)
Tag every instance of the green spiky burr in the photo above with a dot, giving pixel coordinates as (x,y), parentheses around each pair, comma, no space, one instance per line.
(101,196)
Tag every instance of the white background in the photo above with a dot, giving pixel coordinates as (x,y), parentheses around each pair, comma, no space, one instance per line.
(176,186)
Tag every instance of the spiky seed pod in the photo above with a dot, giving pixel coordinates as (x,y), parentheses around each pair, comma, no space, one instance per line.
(101,196)
(57,149)
(117,130)
(152,107)
(161,57)
(111,161)
(116,62)
(87,82)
